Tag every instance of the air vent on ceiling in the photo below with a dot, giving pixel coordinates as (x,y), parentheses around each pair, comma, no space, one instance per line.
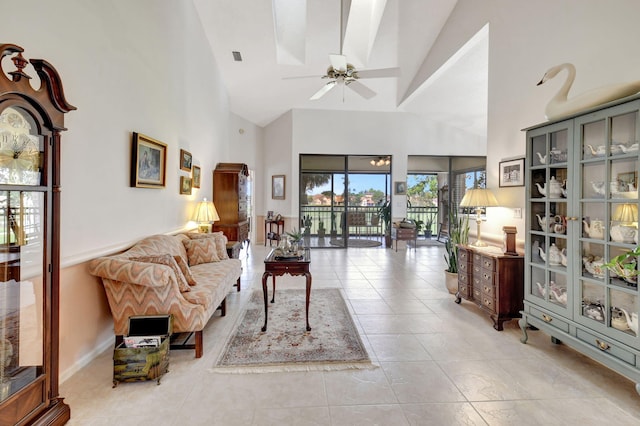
(237,56)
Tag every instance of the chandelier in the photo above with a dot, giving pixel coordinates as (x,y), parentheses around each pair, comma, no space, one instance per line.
(381,161)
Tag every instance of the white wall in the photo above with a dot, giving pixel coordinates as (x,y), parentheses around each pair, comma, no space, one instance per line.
(356,133)
(245,146)
(525,39)
(142,66)
(278,157)
(139,66)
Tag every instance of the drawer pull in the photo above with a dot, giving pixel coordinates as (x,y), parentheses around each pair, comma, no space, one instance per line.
(603,346)
(486,277)
(546,318)
(486,289)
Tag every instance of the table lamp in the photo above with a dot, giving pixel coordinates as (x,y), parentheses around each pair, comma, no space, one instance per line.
(205,215)
(626,214)
(478,198)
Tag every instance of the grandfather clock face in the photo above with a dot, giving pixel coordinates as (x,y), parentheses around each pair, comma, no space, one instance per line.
(20,149)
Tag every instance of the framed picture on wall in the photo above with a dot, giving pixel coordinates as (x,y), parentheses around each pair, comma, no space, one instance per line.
(148,162)
(511,173)
(185,160)
(400,188)
(196,177)
(185,185)
(277,187)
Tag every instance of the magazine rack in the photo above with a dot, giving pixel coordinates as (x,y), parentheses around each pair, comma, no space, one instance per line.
(136,358)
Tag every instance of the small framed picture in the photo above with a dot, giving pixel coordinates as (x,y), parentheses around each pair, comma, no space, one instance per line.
(627,181)
(196,177)
(270,215)
(185,160)
(400,188)
(277,187)
(511,173)
(185,185)
(148,162)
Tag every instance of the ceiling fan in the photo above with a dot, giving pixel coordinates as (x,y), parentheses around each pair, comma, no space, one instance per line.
(342,73)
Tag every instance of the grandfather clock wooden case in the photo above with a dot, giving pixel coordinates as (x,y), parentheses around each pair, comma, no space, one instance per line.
(30,124)
(230,198)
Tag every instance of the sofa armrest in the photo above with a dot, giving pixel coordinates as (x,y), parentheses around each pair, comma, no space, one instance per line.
(133,272)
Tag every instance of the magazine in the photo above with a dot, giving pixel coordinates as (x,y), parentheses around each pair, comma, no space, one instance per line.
(142,341)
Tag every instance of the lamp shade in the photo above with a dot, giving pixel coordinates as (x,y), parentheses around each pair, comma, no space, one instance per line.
(626,213)
(205,212)
(478,197)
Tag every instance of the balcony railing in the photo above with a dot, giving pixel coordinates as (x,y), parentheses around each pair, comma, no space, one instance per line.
(366,223)
(429,217)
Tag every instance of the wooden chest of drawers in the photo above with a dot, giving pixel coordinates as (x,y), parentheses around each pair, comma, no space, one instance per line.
(494,281)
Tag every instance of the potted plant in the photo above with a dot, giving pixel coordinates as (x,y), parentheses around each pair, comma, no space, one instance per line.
(321,230)
(428,228)
(458,234)
(334,228)
(385,215)
(295,237)
(625,265)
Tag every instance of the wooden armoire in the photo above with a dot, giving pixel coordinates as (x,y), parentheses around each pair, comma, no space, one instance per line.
(31,121)
(230,192)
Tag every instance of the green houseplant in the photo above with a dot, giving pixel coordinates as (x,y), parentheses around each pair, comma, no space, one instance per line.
(384,212)
(625,265)
(458,234)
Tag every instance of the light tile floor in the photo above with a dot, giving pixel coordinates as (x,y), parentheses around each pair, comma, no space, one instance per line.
(440,364)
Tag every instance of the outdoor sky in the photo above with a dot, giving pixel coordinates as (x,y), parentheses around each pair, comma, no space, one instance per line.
(357,183)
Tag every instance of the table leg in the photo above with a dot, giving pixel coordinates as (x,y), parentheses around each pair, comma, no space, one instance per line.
(266,305)
(273,296)
(308,276)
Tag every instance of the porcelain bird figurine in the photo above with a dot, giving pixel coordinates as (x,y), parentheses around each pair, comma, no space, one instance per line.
(560,106)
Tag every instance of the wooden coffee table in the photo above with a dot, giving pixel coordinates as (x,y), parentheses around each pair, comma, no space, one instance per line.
(277,266)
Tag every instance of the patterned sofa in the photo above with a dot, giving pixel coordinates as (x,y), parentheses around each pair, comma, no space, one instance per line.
(186,275)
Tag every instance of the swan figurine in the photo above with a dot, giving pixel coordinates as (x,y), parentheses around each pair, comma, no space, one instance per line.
(560,106)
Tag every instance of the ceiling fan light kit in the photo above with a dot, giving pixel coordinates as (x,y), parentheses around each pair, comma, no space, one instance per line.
(380,161)
(342,72)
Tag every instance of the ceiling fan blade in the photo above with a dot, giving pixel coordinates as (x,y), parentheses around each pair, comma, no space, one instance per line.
(338,62)
(379,73)
(361,89)
(295,77)
(320,93)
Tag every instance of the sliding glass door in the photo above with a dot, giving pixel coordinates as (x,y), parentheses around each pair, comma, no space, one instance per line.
(340,197)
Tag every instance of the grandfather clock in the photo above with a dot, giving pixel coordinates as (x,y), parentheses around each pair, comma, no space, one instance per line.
(31,120)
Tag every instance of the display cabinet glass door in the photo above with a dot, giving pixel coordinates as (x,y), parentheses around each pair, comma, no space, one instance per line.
(21,285)
(22,254)
(609,210)
(549,225)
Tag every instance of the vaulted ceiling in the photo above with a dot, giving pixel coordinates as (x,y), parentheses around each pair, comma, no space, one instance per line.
(277,42)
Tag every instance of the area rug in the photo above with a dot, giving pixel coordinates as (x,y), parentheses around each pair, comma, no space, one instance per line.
(356,242)
(332,344)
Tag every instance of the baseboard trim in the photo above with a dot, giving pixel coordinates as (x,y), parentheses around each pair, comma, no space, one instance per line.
(87,358)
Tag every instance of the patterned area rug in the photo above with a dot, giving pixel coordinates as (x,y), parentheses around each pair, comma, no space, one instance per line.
(332,344)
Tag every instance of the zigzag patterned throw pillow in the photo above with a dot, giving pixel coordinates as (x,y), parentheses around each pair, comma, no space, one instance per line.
(166,259)
(201,251)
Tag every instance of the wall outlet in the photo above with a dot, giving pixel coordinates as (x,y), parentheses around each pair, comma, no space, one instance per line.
(517,213)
